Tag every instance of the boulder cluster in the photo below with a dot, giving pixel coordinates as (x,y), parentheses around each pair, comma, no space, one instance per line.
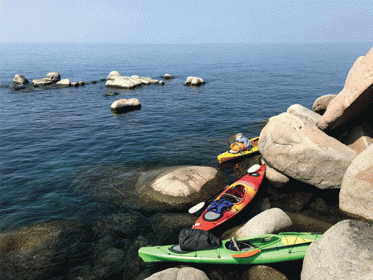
(330,147)
(52,78)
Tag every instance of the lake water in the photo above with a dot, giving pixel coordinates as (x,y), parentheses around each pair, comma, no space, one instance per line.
(46,136)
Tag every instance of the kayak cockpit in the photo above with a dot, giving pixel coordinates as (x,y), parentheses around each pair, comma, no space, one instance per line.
(250,244)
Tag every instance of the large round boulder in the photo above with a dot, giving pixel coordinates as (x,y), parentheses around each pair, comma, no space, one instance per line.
(179,187)
(269,221)
(356,195)
(345,251)
(294,146)
(125,105)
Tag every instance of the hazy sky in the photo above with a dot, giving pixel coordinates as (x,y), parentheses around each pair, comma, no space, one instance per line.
(191,21)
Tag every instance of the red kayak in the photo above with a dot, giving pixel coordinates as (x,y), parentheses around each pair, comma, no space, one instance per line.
(231,201)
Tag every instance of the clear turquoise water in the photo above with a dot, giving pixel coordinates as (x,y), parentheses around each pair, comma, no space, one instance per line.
(47,136)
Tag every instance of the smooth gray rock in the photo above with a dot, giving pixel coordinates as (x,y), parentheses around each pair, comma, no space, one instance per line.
(344,252)
(41,82)
(321,103)
(295,147)
(179,187)
(194,81)
(20,80)
(64,83)
(184,273)
(114,75)
(125,105)
(167,77)
(54,77)
(354,98)
(269,221)
(303,112)
(121,82)
(356,195)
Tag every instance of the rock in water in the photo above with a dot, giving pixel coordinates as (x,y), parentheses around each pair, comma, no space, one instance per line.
(194,81)
(114,75)
(179,187)
(54,77)
(64,83)
(121,82)
(20,80)
(167,77)
(44,250)
(125,105)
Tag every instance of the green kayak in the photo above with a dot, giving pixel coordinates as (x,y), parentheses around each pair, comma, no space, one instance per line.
(261,249)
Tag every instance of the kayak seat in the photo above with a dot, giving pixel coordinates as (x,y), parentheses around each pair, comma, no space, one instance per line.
(231,198)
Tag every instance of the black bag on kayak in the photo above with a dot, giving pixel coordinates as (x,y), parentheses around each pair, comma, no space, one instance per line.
(197,239)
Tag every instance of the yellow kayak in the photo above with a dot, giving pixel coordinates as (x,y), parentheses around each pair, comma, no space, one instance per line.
(229,156)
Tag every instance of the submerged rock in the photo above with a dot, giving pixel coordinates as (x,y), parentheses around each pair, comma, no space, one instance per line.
(122,225)
(345,251)
(45,249)
(125,105)
(167,227)
(179,187)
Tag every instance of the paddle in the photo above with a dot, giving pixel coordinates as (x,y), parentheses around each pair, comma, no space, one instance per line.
(200,205)
(257,251)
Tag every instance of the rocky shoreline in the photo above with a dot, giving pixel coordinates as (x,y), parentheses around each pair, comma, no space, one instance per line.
(319,178)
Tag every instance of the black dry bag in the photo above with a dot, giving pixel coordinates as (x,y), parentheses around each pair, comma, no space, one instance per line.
(197,239)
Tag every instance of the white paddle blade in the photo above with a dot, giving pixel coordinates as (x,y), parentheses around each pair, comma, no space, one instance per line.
(253,168)
(196,207)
